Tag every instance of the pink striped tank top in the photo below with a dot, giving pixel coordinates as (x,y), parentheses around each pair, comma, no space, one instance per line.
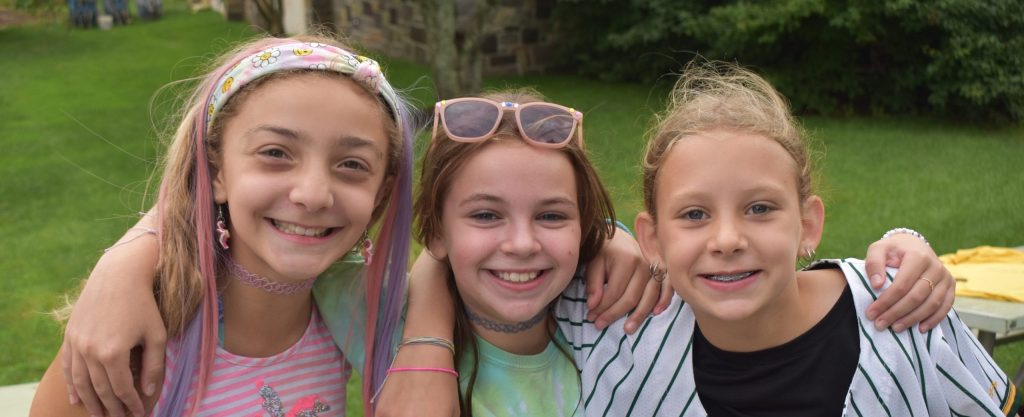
(306,380)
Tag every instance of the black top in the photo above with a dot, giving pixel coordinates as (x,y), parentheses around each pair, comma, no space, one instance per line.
(807,376)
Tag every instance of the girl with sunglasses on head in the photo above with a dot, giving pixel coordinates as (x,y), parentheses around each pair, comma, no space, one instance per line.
(730,210)
(287,154)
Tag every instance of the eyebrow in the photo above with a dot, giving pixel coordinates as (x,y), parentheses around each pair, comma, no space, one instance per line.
(345,141)
(495,199)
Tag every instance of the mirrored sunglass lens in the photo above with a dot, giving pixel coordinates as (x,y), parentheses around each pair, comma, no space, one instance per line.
(546,124)
(470,119)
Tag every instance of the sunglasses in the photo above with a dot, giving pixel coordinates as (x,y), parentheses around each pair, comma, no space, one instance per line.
(473,119)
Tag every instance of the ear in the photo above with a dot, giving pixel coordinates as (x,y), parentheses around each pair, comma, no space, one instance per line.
(437,250)
(647,237)
(220,194)
(812,222)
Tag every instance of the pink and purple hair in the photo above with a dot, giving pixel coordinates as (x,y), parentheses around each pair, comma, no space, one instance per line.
(385,282)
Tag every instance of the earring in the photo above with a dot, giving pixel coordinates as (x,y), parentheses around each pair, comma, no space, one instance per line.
(657,274)
(806,259)
(366,248)
(222,229)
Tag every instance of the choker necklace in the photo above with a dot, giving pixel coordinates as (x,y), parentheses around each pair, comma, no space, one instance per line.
(506,328)
(256,281)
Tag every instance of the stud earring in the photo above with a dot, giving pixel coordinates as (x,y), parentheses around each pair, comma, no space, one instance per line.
(222,229)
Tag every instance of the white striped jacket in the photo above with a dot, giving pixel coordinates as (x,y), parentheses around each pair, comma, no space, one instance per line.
(944,372)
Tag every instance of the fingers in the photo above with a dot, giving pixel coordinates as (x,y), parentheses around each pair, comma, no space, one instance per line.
(630,299)
(122,387)
(619,278)
(665,298)
(880,311)
(84,386)
(874,264)
(647,306)
(153,364)
(928,298)
(594,278)
(65,365)
(102,385)
(947,288)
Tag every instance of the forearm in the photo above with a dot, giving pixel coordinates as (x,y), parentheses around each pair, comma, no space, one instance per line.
(431,310)
(130,263)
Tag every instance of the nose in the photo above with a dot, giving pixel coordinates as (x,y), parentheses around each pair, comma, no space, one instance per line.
(728,237)
(521,240)
(311,189)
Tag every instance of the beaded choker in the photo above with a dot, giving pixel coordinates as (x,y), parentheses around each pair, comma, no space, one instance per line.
(257,281)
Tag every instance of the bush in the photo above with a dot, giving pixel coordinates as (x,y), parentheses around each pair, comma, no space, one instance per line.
(957,57)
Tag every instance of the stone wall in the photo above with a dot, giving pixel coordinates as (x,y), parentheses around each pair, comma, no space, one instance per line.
(520,40)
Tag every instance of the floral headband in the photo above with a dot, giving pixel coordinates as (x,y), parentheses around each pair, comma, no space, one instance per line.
(301,55)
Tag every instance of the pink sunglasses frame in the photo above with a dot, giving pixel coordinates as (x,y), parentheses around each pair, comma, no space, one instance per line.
(577,121)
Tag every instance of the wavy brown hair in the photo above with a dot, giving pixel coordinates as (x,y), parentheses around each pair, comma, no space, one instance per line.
(443,161)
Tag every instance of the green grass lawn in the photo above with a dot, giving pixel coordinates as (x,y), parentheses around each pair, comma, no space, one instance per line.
(78,140)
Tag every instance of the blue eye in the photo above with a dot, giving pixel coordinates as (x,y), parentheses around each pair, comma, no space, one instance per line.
(760,209)
(695,215)
(484,216)
(552,217)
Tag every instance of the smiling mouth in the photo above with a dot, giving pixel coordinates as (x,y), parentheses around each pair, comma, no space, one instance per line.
(728,277)
(517,277)
(294,229)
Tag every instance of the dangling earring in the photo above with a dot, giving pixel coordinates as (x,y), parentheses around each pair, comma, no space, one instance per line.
(366,248)
(222,228)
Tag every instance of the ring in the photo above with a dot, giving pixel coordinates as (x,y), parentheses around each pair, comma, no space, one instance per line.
(930,283)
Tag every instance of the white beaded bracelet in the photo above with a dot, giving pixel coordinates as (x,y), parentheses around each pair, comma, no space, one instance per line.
(905,230)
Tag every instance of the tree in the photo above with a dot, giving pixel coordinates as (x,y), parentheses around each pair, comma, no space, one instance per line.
(458,30)
(273,13)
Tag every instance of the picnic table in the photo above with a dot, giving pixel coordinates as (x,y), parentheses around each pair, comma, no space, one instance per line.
(997,323)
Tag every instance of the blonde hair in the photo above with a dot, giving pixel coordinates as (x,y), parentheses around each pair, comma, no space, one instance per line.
(717,95)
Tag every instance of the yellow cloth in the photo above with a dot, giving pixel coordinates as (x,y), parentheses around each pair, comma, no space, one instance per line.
(987,272)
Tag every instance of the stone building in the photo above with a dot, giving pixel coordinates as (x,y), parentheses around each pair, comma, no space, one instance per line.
(520,39)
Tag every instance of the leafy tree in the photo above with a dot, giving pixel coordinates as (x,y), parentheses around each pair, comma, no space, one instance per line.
(962,57)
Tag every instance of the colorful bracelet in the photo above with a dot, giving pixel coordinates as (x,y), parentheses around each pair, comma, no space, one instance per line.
(429,340)
(905,230)
(449,371)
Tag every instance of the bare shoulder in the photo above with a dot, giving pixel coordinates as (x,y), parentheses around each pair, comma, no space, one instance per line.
(52,395)
(822,285)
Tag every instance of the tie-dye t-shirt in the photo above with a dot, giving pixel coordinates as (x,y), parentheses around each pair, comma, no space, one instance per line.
(545,384)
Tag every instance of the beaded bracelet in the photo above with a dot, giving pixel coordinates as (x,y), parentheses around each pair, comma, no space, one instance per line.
(145,230)
(905,230)
(429,340)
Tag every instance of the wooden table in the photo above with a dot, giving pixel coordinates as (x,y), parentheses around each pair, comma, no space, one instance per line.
(997,323)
